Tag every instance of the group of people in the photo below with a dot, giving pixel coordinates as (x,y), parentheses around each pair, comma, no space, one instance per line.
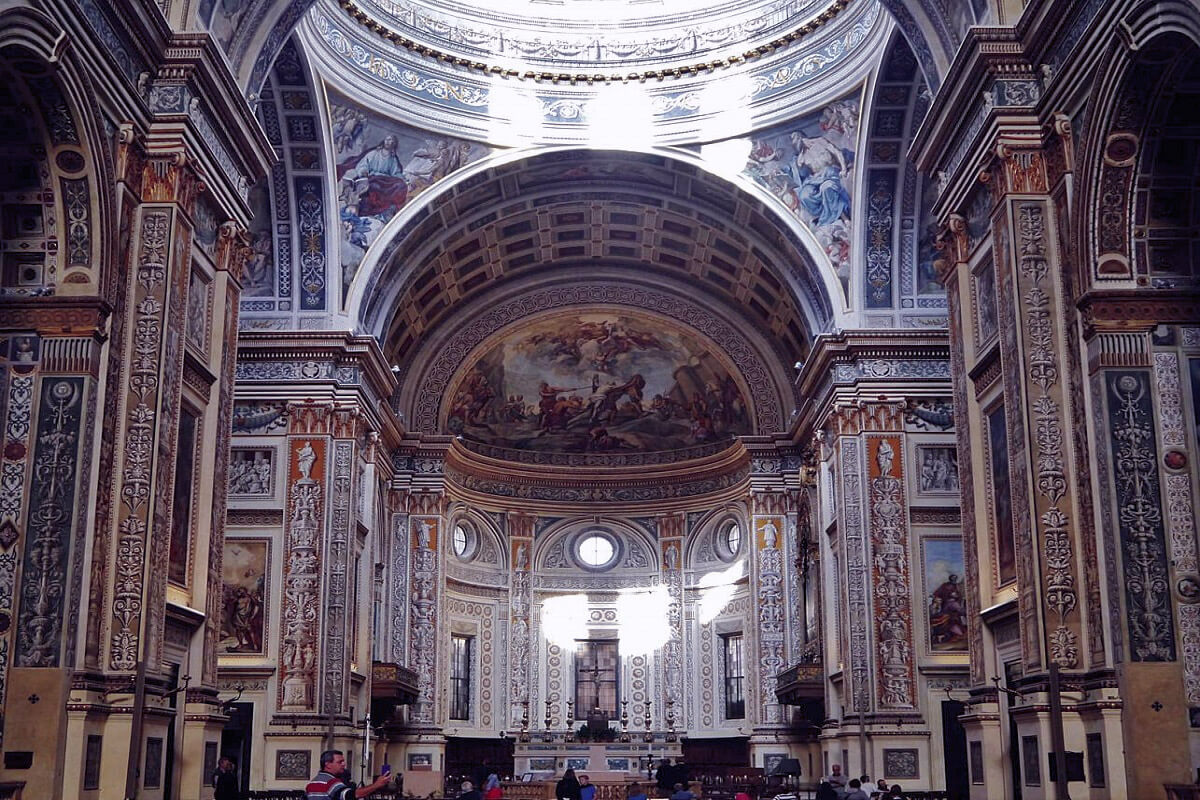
(836,786)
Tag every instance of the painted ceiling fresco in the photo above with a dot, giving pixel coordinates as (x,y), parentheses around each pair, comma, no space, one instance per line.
(809,165)
(381,165)
(598,382)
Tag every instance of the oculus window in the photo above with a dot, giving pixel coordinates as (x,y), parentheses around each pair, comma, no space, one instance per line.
(465,541)
(596,550)
(729,540)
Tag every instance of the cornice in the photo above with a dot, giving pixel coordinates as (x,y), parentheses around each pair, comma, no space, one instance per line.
(667,487)
(869,352)
(367,21)
(1128,310)
(340,349)
(56,315)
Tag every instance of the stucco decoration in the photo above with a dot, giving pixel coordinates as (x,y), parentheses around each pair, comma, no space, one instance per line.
(598,382)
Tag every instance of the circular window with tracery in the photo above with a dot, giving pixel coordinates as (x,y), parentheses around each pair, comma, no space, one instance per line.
(596,550)
(464,540)
(729,540)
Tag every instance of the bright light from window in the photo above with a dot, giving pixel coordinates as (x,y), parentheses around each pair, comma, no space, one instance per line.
(514,114)
(595,551)
(733,538)
(620,115)
(716,590)
(728,157)
(643,620)
(460,540)
(564,619)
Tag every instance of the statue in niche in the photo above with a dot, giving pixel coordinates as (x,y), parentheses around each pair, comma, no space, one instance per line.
(770,535)
(305,458)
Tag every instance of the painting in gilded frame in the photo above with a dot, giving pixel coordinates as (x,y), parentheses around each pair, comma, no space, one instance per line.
(245,575)
(945,599)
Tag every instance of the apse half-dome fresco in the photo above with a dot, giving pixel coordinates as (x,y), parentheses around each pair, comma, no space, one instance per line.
(598,382)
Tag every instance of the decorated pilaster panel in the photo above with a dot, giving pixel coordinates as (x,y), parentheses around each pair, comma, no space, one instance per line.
(231,258)
(1045,392)
(891,577)
(303,545)
(671,529)
(399,599)
(339,547)
(953,248)
(150,412)
(47,547)
(1181,523)
(520,609)
(424,530)
(1007,301)
(769,523)
(18,382)
(856,575)
(1148,618)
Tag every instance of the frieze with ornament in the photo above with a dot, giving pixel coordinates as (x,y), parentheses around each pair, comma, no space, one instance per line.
(868,369)
(609,493)
(47,546)
(1139,516)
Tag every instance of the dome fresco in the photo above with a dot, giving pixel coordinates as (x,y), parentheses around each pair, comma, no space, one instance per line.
(597,382)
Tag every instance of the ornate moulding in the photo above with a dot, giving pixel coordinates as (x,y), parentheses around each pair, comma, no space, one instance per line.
(688,99)
(660,487)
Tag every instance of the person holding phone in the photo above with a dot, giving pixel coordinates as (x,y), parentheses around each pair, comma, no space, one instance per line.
(331,782)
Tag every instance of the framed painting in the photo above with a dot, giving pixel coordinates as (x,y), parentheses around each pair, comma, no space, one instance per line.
(937,470)
(245,583)
(942,562)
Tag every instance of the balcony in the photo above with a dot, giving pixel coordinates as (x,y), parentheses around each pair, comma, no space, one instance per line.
(800,683)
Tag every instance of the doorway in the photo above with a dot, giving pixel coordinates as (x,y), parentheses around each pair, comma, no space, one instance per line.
(236,739)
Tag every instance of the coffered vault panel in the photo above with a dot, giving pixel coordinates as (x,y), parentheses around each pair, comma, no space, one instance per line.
(567,216)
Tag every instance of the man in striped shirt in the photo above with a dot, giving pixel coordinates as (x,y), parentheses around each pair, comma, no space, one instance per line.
(330,783)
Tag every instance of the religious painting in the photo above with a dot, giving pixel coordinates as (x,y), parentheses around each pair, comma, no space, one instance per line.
(937,469)
(1002,519)
(984,300)
(578,764)
(771,762)
(542,763)
(598,382)
(809,165)
(927,235)
(245,574)
(618,765)
(943,562)
(381,165)
(251,472)
(258,276)
(420,762)
(196,326)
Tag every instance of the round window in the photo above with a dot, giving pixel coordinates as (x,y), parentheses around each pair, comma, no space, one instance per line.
(596,550)
(733,538)
(462,539)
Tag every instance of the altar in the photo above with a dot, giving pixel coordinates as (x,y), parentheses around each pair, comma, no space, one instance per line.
(600,761)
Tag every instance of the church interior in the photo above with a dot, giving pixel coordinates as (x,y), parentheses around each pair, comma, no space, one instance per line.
(762,385)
